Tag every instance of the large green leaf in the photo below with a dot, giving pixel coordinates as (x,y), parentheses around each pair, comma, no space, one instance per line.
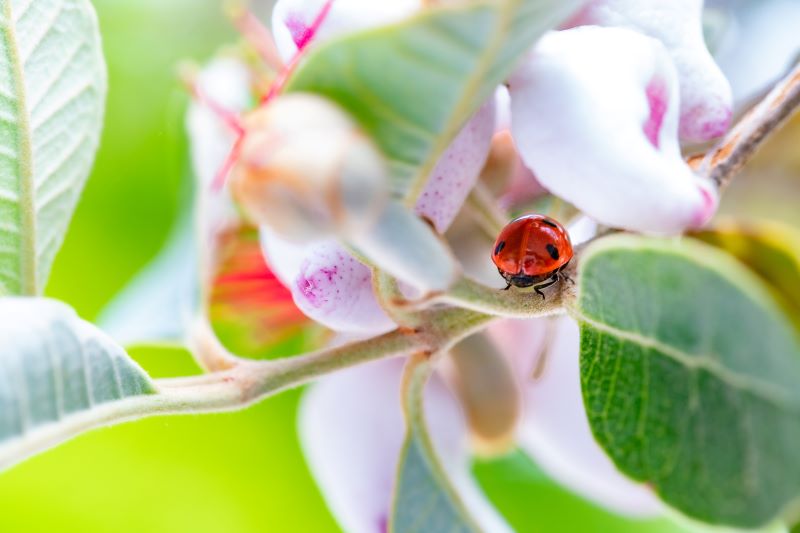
(55,369)
(424,499)
(52,93)
(413,85)
(689,371)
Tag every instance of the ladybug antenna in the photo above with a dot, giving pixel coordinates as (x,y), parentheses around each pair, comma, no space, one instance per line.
(302,36)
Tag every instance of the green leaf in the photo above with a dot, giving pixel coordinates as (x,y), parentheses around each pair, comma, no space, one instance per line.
(413,85)
(54,370)
(424,499)
(52,93)
(689,372)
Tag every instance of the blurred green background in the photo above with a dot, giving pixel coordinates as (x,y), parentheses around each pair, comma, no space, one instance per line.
(240,472)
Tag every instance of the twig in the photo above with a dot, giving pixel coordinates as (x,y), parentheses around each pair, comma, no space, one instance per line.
(723,162)
(246,382)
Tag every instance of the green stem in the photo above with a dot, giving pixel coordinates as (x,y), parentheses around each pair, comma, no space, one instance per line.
(514,303)
(244,382)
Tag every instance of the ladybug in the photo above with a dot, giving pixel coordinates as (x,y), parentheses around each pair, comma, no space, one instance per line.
(532,251)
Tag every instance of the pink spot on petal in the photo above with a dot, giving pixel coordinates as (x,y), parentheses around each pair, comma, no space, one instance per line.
(658,100)
(705,122)
(301,34)
(309,288)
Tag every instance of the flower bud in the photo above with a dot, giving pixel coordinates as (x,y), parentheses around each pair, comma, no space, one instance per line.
(705,94)
(327,284)
(595,117)
(306,170)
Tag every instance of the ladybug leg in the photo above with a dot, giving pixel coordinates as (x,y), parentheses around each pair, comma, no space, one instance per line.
(565,277)
(552,281)
(508,286)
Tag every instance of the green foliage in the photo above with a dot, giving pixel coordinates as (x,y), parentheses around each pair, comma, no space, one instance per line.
(55,367)
(689,372)
(53,87)
(413,85)
(241,472)
(142,175)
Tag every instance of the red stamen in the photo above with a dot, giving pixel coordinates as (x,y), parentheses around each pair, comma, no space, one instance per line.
(259,37)
(227,166)
(231,119)
(315,26)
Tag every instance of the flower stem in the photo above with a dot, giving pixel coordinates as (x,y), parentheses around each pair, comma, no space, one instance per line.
(723,162)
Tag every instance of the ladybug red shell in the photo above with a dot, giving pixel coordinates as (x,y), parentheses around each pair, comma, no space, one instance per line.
(531,251)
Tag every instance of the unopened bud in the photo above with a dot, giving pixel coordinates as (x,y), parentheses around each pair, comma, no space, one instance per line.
(306,170)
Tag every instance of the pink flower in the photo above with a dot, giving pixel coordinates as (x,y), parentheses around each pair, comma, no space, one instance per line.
(296,23)
(327,284)
(706,100)
(352,429)
(554,430)
(595,117)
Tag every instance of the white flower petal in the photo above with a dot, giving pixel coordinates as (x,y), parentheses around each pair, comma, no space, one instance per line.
(293,20)
(352,429)
(554,429)
(556,432)
(226,82)
(459,166)
(595,118)
(458,169)
(705,94)
(328,284)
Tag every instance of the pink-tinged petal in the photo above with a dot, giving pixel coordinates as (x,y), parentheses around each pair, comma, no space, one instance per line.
(352,428)
(458,169)
(595,117)
(705,94)
(226,82)
(328,284)
(657,100)
(509,176)
(293,21)
(554,428)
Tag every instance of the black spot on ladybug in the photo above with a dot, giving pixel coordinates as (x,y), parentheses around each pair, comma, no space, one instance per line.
(553,251)
(549,222)
(500,246)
